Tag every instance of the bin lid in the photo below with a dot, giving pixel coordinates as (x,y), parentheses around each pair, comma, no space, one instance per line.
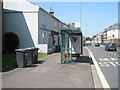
(32,48)
(26,49)
(20,50)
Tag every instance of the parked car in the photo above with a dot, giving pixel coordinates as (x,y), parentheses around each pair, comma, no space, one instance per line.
(106,44)
(53,49)
(118,44)
(50,51)
(111,46)
(97,44)
(102,43)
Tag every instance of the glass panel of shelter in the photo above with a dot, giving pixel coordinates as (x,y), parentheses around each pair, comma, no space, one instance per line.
(66,47)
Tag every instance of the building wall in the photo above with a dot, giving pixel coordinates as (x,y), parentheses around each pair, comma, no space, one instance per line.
(44,31)
(21,18)
(60,26)
(104,37)
(77,24)
(32,24)
(115,32)
(20,5)
(55,24)
(44,20)
(108,35)
(55,31)
(112,35)
(20,24)
(74,25)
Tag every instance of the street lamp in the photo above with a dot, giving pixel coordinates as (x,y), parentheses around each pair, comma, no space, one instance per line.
(85,31)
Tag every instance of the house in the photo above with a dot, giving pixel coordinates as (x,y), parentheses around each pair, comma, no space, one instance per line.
(21,18)
(113,33)
(54,29)
(100,37)
(109,35)
(97,38)
(74,25)
(32,24)
(44,31)
(104,36)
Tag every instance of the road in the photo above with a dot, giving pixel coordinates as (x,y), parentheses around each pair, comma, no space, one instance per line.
(108,63)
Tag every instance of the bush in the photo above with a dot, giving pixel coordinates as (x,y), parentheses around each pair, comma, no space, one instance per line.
(10,42)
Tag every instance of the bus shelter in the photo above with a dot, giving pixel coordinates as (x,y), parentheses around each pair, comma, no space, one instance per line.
(71,43)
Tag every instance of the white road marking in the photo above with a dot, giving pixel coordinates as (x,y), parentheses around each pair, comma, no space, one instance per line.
(107,64)
(101,76)
(111,53)
(114,54)
(112,63)
(114,59)
(103,64)
(117,63)
(106,59)
(100,59)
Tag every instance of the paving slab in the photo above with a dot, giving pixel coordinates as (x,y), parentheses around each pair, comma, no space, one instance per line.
(50,73)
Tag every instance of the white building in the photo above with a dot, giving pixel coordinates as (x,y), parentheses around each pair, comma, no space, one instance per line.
(21,18)
(109,35)
(77,24)
(113,33)
(30,22)
(74,25)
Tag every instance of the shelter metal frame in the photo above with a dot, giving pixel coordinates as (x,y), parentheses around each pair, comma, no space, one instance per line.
(66,45)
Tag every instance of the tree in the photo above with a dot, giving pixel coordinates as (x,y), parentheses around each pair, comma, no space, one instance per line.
(88,39)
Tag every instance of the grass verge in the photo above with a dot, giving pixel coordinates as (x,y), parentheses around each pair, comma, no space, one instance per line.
(40,55)
(9,61)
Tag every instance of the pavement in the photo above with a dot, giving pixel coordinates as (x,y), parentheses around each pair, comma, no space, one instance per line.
(50,73)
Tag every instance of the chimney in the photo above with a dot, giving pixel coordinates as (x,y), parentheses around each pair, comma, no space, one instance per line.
(51,11)
(73,25)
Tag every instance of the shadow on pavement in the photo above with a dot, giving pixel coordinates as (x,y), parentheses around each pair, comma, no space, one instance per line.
(111,51)
(40,62)
(83,59)
(31,66)
(14,67)
(35,64)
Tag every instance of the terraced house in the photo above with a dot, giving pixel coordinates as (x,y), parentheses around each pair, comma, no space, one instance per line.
(109,35)
(34,26)
(113,33)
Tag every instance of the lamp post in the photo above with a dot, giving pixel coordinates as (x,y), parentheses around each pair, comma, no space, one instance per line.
(85,31)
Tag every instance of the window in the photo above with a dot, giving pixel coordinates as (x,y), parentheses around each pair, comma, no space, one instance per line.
(113,35)
(43,36)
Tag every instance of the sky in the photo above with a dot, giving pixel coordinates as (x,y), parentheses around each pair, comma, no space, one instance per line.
(93,16)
